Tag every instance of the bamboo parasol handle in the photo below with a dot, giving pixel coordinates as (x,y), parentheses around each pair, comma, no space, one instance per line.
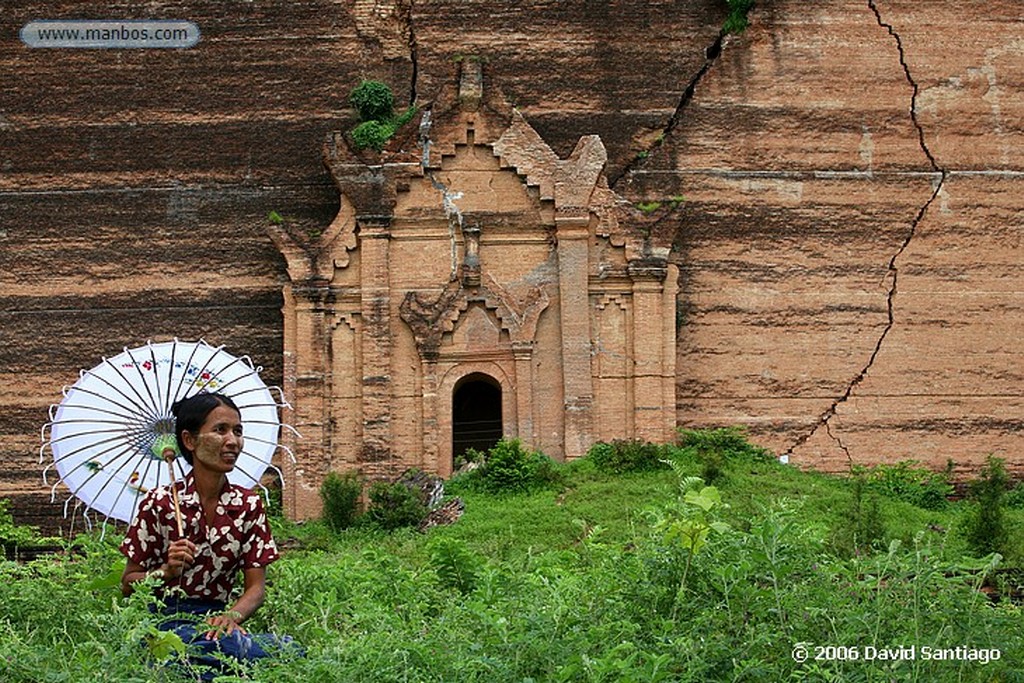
(168,456)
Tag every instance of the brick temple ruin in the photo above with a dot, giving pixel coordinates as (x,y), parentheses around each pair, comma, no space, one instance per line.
(847,234)
(473,285)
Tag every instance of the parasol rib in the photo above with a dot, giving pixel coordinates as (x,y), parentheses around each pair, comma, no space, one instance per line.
(270,443)
(153,404)
(137,490)
(82,449)
(182,390)
(161,408)
(112,475)
(142,405)
(132,410)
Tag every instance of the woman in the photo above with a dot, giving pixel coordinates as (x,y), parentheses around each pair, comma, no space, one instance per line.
(224,530)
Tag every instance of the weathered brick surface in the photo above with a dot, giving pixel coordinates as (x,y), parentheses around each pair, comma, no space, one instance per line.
(808,160)
(135,185)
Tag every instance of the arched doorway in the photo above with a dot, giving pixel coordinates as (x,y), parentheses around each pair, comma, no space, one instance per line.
(476,414)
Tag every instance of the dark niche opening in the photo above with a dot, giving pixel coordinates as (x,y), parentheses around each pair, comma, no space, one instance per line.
(476,414)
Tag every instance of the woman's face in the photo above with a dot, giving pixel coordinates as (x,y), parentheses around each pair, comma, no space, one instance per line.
(219,441)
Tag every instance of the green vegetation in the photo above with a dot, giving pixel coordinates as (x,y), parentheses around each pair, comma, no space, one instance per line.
(865,530)
(376,106)
(622,455)
(625,565)
(373,100)
(737,20)
(340,496)
(508,467)
(14,536)
(985,523)
(650,207)
(393,506)
(909,481)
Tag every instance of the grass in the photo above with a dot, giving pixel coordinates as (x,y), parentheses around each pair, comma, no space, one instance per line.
(579,580)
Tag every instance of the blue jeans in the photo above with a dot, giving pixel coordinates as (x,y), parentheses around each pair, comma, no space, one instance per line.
(186,618)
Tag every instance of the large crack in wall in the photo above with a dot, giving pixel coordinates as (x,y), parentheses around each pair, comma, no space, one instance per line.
(413,52)
(825,419)
(711,55)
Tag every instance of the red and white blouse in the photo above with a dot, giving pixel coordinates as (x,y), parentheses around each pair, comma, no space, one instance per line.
(238,538)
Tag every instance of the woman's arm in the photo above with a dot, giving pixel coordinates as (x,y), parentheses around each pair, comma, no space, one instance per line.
(133,572)
(253,594)
(179,557)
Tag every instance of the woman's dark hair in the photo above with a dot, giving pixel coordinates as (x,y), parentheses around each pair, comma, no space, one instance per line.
(190,414)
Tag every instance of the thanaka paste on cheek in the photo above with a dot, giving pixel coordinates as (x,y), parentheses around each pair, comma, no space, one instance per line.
(210,445)
(210,440)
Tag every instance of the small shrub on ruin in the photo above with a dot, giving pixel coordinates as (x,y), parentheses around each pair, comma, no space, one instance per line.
(394,506)
(376,106)
(340,495)
(509,467)
(371,134)
(373,100)
(627,455)
(737,22)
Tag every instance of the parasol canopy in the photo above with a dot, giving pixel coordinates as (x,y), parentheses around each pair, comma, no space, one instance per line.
(102,432)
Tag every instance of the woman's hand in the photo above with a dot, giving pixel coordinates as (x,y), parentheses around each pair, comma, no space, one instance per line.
(248,602)
(224,624)
(180,556)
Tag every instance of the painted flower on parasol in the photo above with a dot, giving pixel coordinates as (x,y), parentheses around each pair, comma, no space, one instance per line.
(111,433)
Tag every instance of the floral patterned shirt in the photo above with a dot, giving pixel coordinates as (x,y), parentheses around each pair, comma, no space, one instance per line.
(239,537)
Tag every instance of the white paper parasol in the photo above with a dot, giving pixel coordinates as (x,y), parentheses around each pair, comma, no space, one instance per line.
(102,432)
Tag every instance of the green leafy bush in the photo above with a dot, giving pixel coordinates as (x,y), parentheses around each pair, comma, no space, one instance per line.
(737,20)
(730,441)
(622,455)
(985,524)
(908,481)
(373,100)
(470,455)
(340,495)
(394,506)
(508,467)
(14,535)
(1014,498)
(685,527)
(376,106)
(456,566)
(864,529)
(714,449)
(372,134)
